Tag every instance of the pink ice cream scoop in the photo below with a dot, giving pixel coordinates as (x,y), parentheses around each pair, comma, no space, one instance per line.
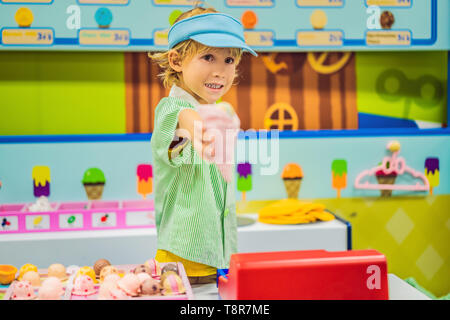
(223,124)
(83,286)
(113,277)
(150,287)
(143,276)
(155,268)
(110,291)
(51,289)
(173,285)
(130,284)
(22,290)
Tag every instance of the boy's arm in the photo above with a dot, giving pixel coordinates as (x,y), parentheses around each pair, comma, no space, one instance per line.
(190,126)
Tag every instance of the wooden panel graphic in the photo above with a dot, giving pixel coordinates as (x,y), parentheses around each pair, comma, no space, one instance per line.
(285,91)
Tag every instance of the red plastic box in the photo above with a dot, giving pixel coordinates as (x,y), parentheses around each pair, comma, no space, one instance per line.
(306,275)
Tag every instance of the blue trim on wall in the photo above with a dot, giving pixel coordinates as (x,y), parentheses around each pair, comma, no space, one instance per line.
(261,134)
(448,89)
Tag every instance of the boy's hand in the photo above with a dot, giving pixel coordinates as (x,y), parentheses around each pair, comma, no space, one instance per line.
(191,127)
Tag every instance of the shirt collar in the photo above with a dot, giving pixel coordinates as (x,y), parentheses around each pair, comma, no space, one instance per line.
(178,92)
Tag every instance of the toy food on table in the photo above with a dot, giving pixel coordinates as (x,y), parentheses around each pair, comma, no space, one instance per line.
(33,277)
(221,122)
(110,291)
(432,172)
(51,289)
(143,276)
(142,268)
(244,180)
(130,284)
(293,211)
(339,175)
(83,286)
(41,181)
(7,273)
(166,274)
(57,270)
(292,176)
(150,287)
(87,271)
(144,179)
(94,182)
(172,284)
(107,271)
(25,268)
(155,269)
(99,265)
(169,267)
(113,277)
(22,290)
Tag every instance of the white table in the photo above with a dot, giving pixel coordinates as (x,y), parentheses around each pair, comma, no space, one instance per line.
(398,290)
(137,245)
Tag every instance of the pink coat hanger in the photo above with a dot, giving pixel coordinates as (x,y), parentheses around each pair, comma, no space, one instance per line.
(396,165)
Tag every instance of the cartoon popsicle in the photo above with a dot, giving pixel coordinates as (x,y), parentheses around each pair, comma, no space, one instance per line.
(432,172)
(41,181)
(244,180)
(339,175)
(292,176)
(144,179)
(94,183)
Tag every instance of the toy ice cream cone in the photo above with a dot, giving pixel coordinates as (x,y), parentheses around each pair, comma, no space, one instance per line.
(292,177)
(94,182)
(386,179)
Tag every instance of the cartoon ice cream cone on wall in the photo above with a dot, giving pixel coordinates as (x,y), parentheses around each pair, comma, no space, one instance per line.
(339,175)
(388,178)
(94,182)
(144,179)
(292,177)
(432,172)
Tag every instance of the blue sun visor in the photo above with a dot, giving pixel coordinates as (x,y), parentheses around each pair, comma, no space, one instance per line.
(212,29)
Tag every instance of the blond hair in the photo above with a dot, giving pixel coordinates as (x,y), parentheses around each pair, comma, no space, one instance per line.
(186,49)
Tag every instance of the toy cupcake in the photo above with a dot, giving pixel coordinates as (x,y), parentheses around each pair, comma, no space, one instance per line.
(22,290)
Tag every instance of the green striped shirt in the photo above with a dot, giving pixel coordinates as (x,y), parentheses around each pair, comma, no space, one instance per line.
(195,209)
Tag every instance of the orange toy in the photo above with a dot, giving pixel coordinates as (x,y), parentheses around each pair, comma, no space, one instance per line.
(7,273)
